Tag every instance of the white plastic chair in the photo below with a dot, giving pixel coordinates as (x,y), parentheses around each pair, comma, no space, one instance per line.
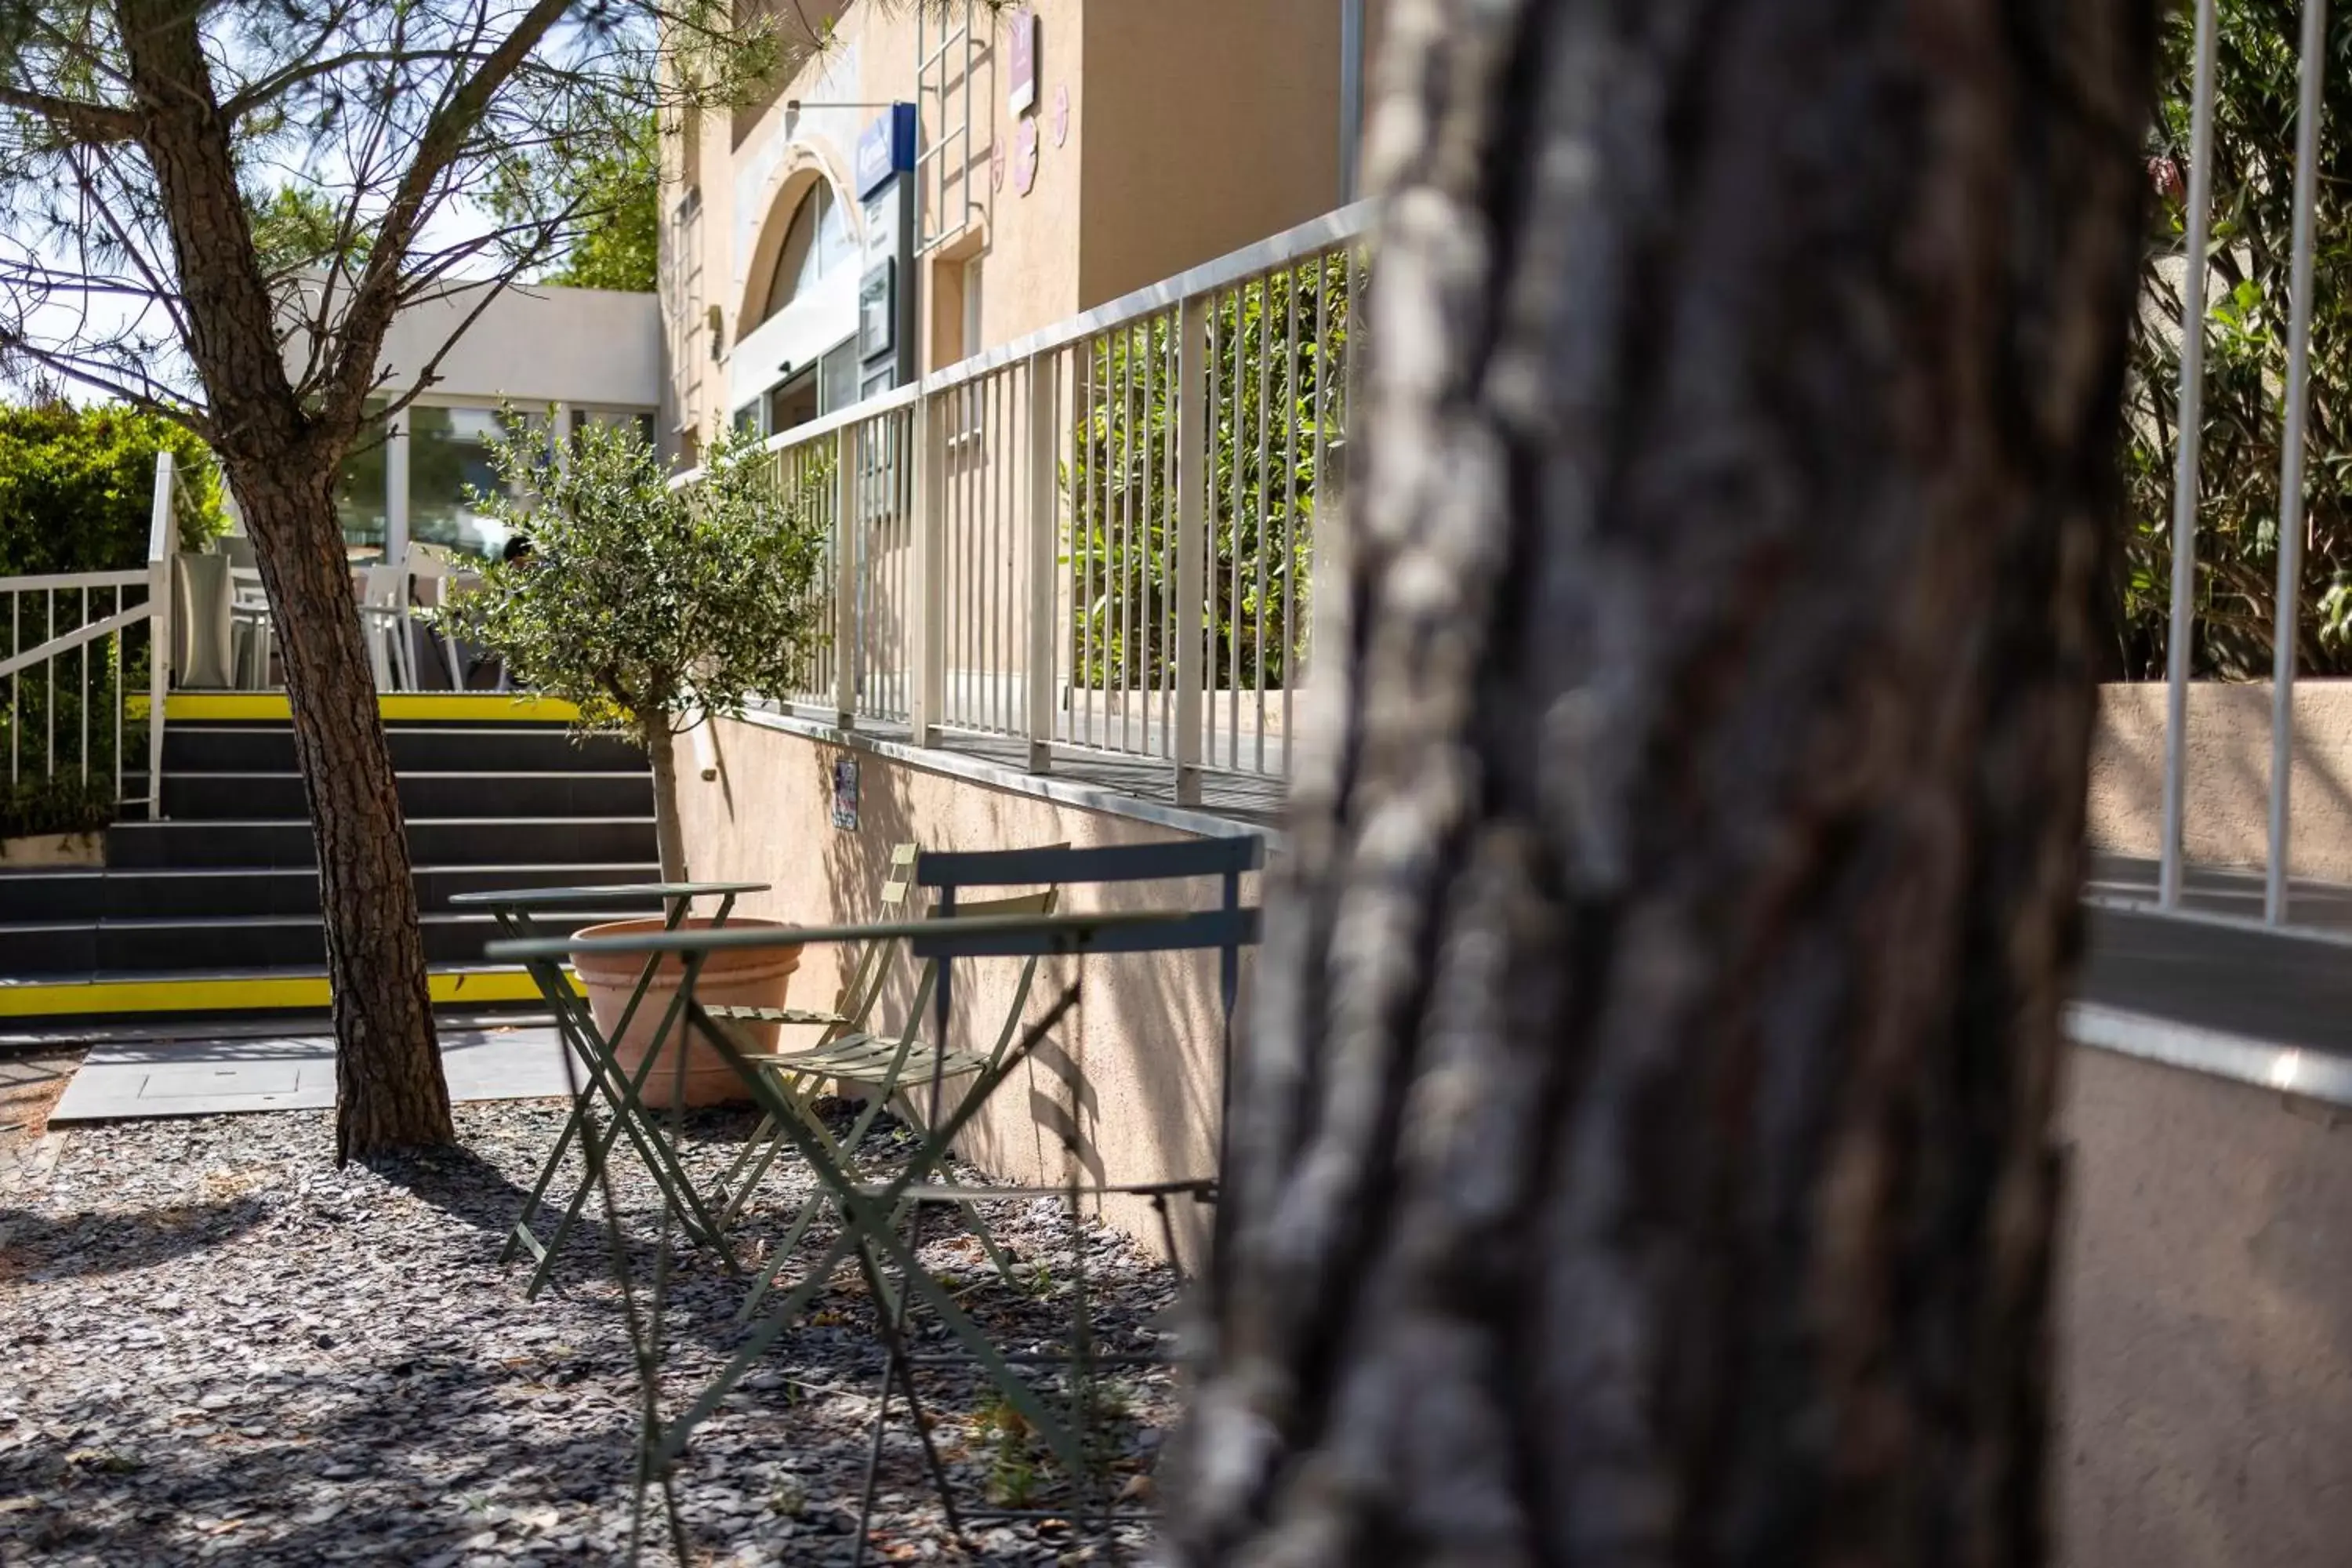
(248,612)
(437,574)
(383,618)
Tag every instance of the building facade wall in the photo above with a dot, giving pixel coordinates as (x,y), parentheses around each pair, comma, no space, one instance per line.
(1163,136)
(1215,124)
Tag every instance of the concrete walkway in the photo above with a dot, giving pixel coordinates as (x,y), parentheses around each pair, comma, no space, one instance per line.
(121,1079)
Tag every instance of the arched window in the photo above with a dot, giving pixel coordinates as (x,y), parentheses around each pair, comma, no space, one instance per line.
(816,244)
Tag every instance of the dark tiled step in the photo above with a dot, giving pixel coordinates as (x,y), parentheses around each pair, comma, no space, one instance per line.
(164,947)
(447,841)
(261,797)
(424,748)
(35,896)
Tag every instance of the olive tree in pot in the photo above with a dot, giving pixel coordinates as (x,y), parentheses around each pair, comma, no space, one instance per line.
(653,608)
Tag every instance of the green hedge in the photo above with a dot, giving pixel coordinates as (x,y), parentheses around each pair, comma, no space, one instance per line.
(77,487)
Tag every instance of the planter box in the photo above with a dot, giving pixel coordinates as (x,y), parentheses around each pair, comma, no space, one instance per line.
(52,849)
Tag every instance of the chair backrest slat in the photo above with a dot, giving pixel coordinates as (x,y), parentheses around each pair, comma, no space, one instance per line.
(872,970)
(1169,862)
(1228,928)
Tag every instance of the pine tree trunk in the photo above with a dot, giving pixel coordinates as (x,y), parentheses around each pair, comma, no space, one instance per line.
(390,1090)
(1642,1153)
(669,834)
(281,456)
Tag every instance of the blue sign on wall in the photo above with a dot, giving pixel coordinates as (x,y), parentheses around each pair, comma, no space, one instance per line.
(888,148)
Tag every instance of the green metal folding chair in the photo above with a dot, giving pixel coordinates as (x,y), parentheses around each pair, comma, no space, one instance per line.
(887,1066)
(848,1016)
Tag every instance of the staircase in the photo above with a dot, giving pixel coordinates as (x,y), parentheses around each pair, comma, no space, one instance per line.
(214,908)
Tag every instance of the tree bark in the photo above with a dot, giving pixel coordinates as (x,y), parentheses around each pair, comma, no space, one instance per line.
(390,1089)
(669,834)
(1642,1152)
(281,460)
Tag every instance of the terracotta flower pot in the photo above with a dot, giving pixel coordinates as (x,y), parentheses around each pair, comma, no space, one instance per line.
(743,977)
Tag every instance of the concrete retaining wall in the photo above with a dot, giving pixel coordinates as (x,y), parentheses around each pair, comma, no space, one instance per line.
(2205,1340)
(2226,811)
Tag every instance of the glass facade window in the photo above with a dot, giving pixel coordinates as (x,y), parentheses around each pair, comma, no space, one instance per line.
(642,422)
(448,458)
(836,375)
(817,243)
(364,492)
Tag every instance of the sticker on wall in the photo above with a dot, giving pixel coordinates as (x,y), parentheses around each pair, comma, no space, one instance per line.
(845,794)
(1024,158)
(996,167)
(1061,114)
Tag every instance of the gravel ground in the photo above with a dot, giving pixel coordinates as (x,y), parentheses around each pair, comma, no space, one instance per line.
(225,1350)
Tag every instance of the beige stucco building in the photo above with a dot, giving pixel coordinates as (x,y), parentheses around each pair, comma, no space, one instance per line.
(1048,158)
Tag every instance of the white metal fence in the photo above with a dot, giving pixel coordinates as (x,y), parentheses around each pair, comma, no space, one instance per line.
(82,704)
(1102,536)
(2171,870)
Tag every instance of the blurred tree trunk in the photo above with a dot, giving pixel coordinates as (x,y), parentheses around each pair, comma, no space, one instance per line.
(1642,1155)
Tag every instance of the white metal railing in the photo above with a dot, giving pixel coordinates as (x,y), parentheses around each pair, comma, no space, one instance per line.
(79,648)
(1103,535)
(2172,872)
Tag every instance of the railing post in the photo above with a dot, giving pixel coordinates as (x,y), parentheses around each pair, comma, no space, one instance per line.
(930,650)
(848,579)
(1194,461)
(162,545)
(1044,539)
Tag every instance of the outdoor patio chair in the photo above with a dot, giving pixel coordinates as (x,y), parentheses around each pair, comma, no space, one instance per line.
(885,1067)
(1226,928)
(437,573)
(383,616)
(849,1015)
(250,626)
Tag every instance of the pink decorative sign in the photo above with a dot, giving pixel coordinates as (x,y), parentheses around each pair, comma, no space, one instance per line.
(1022,66)
(1024,158)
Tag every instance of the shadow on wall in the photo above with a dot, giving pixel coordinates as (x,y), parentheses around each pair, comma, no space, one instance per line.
(2226,810)
(1127,1090)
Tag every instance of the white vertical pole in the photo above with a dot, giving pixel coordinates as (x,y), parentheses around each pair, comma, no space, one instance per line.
(2184,473)
(1351,98)
(162,545)
(2290,526)
(848,576)
(1044,539)
(1193,459)
(396,484)
(930,650)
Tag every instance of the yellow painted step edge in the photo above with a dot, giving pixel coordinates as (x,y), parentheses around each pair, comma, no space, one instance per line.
(407,706)
(235,993)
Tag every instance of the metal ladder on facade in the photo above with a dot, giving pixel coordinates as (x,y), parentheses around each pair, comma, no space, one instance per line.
(948,52)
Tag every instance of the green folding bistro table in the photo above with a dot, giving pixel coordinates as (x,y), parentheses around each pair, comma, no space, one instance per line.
(518,912)
(867,1213)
